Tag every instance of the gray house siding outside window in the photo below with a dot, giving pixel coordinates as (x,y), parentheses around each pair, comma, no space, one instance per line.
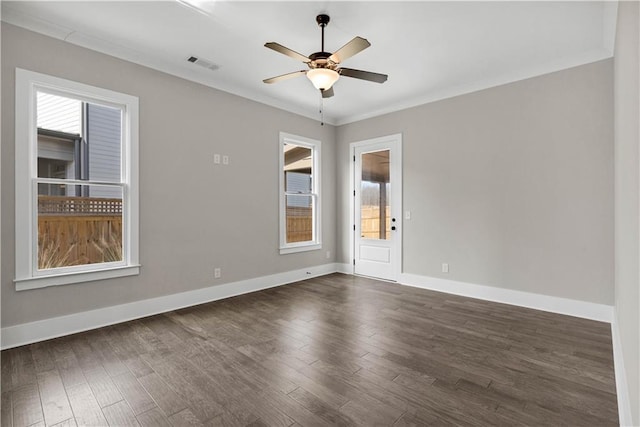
(99,129)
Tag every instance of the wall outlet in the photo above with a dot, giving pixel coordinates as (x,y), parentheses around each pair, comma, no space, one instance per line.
(216,159)
(445,267)
(407,215)
(225,160)
(217,273)
(328,254)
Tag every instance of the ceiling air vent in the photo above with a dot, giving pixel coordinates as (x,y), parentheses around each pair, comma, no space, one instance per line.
(203,63)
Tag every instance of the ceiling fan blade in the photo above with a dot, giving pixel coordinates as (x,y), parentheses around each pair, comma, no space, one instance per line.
(363,75)
(285,76)
(327,93)
(357,44)
(286,51)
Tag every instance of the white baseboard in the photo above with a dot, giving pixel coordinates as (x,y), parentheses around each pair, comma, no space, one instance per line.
(622,388)
(583,309)
(345,268)
(27,333)
(14,336)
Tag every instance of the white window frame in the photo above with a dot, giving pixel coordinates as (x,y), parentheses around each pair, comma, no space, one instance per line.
(27,275)
(316,242)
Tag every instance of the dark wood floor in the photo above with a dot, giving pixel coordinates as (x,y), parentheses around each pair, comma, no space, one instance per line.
(335,350)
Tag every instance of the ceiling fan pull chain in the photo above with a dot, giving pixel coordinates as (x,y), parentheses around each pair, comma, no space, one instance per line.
(321,109)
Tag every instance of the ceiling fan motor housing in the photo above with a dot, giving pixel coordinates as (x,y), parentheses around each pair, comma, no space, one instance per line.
(321,60)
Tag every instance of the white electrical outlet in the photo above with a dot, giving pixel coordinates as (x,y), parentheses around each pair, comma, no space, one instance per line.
(445,267)
(407,215)
(225,160)
(217,273)
(328,254)
(216,159)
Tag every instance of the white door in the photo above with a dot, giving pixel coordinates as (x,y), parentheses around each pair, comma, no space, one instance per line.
(377,207)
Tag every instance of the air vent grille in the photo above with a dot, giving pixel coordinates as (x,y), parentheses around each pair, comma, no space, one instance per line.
(203,63)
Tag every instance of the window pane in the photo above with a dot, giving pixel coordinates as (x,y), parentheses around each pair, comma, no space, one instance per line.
(297,182)
(78,140)
(60,114)
(79,225)
(104,128)
(299,214)
(375,221)
(298,169)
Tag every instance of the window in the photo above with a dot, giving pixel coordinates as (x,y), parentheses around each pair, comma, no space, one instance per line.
(76,182)
(299,194)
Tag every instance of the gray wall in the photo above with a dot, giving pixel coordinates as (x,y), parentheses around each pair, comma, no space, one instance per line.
(627,172)
(512,186)
(191,219)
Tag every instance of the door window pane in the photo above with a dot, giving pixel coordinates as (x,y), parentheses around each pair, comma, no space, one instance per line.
(375,220)
(78,225)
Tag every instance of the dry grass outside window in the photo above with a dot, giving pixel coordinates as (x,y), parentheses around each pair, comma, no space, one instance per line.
(51,255)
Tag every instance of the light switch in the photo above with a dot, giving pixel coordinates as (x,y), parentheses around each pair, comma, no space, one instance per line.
(225,160)
(216,159)
(407,215)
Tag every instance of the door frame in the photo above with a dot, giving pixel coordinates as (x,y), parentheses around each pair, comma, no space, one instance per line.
(397,260)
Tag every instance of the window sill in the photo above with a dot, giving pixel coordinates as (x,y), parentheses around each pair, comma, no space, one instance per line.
(301,248)
(75,277)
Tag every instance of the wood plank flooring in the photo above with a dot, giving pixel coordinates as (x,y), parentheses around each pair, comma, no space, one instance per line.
(334,350)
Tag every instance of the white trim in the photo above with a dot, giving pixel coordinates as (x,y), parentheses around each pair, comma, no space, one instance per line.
(24,130)
(68,278)
(300,248)
(26,333)
(27,276)
(316,184)
(352,208)
(622,389)
(570,307)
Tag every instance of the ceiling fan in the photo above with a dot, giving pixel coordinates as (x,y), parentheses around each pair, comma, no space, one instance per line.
(324,69)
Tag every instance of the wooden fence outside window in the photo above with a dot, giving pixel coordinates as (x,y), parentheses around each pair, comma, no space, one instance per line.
(78,231)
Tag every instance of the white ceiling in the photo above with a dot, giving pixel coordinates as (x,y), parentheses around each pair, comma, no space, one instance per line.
(430,50)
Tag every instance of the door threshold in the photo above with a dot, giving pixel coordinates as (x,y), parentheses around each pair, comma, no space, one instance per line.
(375,278)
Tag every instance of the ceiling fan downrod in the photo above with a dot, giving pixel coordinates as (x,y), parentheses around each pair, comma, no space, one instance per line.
(323,21)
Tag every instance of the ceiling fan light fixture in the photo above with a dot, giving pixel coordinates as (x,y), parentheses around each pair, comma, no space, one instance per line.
(322,78)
